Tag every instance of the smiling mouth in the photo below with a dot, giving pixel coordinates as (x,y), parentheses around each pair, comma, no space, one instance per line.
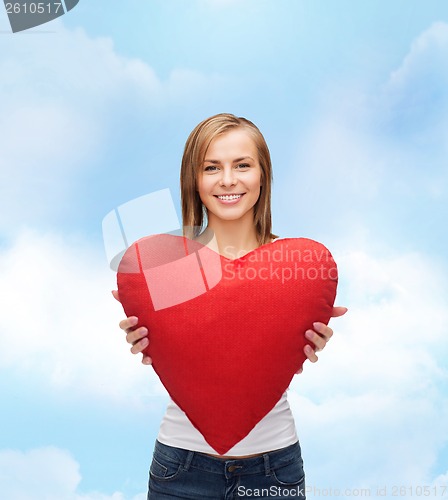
(228,197)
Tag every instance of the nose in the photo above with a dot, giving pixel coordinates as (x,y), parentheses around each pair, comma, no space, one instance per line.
(228,177)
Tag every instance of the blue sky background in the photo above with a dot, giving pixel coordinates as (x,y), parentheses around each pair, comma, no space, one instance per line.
(352,98)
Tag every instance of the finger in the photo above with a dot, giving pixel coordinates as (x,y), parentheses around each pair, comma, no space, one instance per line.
(310,354)
(140,346)
(299,371)
(338,311)
(135,335)
(128,323)
(115,294)
(318,341)
(323,330)
(146,360)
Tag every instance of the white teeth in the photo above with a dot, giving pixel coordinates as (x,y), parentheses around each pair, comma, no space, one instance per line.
(229,197)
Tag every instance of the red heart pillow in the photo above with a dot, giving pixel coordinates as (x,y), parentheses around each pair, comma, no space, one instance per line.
(226,336)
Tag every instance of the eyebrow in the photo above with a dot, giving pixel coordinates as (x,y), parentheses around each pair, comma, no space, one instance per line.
(217,162)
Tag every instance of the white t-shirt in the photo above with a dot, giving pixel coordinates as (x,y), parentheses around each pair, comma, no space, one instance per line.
(276,430)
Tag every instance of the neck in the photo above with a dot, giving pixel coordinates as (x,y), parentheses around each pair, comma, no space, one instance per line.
(232,238)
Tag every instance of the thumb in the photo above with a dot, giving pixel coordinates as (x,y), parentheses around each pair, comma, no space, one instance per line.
(115,294)
(338,311)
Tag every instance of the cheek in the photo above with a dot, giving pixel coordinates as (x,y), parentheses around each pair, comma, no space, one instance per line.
(199,184)
(206,186)
(201,190)
(257,182)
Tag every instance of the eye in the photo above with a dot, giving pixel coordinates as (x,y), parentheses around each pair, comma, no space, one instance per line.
(243,165)
(210,168)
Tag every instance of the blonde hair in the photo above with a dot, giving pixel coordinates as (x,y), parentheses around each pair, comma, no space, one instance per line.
(193,211)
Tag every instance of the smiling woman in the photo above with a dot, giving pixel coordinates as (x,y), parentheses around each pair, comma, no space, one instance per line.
(227,156)
(229,189)
(225,182)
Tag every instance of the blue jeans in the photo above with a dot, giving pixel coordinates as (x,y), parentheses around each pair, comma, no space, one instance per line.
(179,473)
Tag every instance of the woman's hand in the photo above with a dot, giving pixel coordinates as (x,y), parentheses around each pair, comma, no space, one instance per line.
(321,334)
(137,337)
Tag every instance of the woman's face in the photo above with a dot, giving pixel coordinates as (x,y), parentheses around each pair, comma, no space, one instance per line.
(229,181)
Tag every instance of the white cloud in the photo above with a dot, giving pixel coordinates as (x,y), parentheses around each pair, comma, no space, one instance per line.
(426,58)
(373,411)
(63,96)
(414,100)
(373,161)
(73,67)
(60,324)
(50,124)
(440,485)
(45,474)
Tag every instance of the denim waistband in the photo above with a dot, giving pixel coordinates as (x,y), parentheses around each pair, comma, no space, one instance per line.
(241,466)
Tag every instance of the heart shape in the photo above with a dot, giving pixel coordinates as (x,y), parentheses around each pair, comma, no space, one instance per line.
(226,336)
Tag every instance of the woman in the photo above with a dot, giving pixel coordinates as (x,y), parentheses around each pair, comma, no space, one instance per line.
(226,204)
